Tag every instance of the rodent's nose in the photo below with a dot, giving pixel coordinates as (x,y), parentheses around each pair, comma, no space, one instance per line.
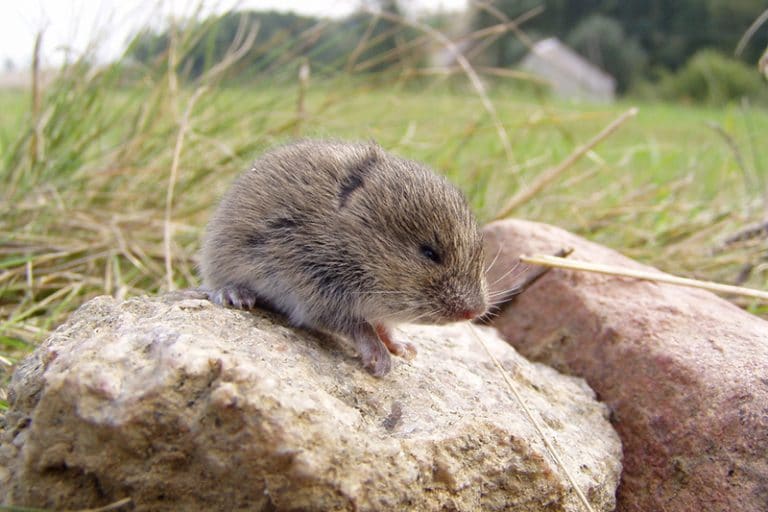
(468,314)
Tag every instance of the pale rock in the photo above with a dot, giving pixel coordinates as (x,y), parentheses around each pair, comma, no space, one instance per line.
(183,405)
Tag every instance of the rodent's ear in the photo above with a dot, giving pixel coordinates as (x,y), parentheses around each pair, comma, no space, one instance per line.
(376,152)
(375,148)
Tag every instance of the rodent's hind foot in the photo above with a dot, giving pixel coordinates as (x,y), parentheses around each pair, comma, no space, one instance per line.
(238,297)
(372,351)
(399,348)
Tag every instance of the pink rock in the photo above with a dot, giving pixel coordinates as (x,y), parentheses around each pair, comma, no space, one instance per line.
(684,372)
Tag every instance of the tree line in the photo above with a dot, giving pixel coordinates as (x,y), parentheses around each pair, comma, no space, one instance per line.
(634,40)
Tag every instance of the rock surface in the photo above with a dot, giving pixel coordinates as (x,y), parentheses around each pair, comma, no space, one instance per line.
(182,405)
(684,372)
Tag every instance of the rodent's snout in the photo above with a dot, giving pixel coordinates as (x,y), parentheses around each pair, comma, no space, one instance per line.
(469,314)
(466,306)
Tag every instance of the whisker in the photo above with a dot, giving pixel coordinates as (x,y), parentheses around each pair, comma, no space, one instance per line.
(379,292)
(516,267)
(398,314)
(493,262)
(422,315)
(406,312)
(514,290)
(491,314)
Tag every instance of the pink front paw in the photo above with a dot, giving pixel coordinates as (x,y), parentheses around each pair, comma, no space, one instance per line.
(403,349)
(399,348)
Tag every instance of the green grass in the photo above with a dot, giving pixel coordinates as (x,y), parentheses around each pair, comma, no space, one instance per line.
(85,180)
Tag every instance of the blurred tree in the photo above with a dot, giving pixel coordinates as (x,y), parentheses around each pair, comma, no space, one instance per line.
(365,38)
(730,19)
(711,77)
(603,42)
(666,33)
(147,45)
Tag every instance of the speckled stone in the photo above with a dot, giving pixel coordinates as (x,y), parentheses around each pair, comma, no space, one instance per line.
(183,405)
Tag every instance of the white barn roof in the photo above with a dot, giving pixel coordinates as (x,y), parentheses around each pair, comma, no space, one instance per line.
(570,74)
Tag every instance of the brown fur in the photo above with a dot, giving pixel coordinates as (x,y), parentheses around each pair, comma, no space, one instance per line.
(346,238)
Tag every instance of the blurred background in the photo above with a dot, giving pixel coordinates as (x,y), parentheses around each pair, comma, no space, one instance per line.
(121,123)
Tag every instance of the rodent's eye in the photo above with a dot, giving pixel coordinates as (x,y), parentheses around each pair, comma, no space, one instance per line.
(431,253)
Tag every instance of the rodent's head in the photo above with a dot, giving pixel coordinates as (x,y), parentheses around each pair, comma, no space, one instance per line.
(420,242)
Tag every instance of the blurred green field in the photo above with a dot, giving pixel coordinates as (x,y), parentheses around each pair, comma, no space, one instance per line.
(91,178)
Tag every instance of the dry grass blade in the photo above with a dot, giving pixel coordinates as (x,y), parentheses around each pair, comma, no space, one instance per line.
(168,228)
(535,422)
(491,34)
(112,506)
(512,73)
(553,261)
(241,45)
(751,232)
(474,79)
(513,25)
(34,146)
(750,32)
(737,155)
(361,44)
(549,176)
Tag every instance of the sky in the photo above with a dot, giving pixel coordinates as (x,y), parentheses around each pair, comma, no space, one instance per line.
(73,25)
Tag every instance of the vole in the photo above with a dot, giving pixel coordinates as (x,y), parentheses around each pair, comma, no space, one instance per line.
(346,238)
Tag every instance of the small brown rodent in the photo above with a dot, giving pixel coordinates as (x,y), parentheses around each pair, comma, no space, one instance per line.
(345,238)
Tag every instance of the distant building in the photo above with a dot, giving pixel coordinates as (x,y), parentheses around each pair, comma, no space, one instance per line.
(569,74)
